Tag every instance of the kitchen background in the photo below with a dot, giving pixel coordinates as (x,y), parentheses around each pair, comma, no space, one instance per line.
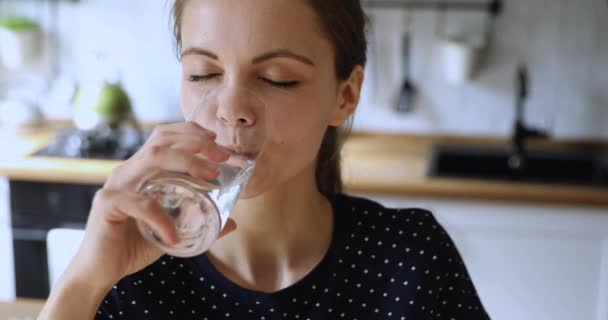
(530,260)
(562,42)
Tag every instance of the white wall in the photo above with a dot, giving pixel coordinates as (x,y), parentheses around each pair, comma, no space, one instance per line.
(136,35)
(563,41)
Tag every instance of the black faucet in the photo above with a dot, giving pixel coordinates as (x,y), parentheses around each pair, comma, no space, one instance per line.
(518,157)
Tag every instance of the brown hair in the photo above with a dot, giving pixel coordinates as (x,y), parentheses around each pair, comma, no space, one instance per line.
(344,22)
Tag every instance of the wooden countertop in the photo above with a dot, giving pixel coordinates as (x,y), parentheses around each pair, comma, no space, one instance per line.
(397,165)
(374,164)
(20,309)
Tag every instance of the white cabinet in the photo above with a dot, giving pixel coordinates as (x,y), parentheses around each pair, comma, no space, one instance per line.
(529,261)
(7,279)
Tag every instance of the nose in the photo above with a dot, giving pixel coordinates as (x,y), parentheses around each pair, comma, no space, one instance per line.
(237,108)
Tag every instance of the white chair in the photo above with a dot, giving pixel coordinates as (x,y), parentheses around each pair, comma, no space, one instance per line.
(61,246)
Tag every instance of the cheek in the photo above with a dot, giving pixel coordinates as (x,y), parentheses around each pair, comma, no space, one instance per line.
(304,121)
(295,137)
(297,128)
(301,123)
(186,99)
(191,96)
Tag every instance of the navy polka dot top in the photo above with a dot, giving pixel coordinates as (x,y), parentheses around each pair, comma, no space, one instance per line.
(381,264)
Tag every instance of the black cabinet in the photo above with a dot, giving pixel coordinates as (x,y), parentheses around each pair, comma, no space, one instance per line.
(37,207)
(31,267)
(50,205)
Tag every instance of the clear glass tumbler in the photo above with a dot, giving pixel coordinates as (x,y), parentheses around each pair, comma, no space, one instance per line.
(199,208)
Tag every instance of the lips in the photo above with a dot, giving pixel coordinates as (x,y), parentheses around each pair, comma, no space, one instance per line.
(241,153)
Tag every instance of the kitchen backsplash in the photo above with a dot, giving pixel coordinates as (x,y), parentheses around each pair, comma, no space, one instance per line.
(563,42)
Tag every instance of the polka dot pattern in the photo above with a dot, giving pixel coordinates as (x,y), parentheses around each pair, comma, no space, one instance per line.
(382,264)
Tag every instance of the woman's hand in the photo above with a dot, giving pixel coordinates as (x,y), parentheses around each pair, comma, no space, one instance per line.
(113,246)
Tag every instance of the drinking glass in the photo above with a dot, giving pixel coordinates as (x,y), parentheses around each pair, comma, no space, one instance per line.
(199,208)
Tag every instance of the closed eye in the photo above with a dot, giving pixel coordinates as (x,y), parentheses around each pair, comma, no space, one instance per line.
(281,84)
(272,83)
(202,78)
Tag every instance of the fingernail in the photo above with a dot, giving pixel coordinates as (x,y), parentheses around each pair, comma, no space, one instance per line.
(216,171)
(209,132)
(222,150)
(205,172)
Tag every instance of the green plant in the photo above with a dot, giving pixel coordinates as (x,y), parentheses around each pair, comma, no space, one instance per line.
(16,23)
(112,103)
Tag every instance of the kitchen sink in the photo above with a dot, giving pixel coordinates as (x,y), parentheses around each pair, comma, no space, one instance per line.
(542,166)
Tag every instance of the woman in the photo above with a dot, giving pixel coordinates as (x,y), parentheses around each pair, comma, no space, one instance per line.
(302,250)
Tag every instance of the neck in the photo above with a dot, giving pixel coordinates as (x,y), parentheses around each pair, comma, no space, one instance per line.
(280,236)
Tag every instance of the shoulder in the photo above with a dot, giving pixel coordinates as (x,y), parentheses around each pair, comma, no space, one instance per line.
(408,246)
(155,275)
(142,291)
(365,210)
(370,222)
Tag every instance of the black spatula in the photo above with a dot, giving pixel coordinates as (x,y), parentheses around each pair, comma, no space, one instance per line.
(405,102)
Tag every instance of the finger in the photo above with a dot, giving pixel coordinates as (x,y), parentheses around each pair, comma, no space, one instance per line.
(229,227)
(119,206)
(150,162)
(176,161)
(185,127)
(189,142)
(194,144)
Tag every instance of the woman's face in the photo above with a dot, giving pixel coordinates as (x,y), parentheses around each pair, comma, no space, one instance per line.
(270,68)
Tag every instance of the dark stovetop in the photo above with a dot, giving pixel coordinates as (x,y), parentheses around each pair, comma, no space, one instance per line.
(105,143)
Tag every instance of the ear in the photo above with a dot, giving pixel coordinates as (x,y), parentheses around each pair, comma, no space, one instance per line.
(349,93)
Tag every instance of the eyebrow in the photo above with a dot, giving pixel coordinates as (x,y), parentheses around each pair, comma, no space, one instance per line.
(200,52)
(280,53)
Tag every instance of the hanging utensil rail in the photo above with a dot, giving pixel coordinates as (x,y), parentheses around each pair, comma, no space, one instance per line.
(493,7)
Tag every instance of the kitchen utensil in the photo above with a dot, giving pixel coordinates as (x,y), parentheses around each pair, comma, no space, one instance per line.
(405,102)
(459,60)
